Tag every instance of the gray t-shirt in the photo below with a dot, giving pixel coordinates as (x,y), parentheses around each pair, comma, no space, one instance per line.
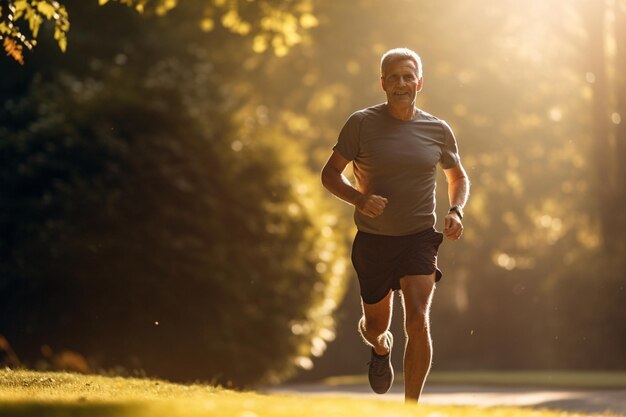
(397,160)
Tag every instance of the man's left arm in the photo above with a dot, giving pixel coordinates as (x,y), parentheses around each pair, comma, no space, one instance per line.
(458,193)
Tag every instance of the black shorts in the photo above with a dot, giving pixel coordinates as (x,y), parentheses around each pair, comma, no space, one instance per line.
(380,261)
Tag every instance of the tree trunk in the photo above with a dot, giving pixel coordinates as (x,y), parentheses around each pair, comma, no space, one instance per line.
(620,88)
(594,17)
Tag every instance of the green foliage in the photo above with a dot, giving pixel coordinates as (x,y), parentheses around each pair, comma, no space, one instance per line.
(155,245)
(33,13)
(275,25)
(278,25)
(148,228)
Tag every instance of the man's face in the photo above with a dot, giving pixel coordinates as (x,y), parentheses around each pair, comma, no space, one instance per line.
(401,83)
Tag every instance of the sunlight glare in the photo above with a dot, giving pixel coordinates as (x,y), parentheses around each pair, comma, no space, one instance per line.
(505,261)
(304,362)
(616,118)
(555,114)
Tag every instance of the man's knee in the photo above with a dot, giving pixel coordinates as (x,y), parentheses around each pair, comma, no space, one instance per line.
(416,322)
(373,326)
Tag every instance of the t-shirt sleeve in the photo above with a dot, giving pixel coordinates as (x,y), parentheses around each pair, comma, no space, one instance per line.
(450,152)
(349,138)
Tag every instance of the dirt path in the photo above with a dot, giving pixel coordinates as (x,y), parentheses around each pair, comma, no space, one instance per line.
(583,401)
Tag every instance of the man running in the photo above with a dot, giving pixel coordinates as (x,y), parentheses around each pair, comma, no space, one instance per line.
(395,149)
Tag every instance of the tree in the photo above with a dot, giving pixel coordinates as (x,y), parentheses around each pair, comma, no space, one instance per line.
(594,275)
(609,108)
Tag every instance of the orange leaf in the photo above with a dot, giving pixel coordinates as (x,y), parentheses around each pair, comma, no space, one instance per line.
(14,50)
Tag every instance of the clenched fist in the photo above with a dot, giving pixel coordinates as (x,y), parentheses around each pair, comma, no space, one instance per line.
(453,228)
(371,205)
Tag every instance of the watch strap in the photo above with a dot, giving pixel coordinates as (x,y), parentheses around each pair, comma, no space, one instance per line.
(457,210)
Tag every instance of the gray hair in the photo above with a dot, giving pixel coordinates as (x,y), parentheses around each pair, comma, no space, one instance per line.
(398,54)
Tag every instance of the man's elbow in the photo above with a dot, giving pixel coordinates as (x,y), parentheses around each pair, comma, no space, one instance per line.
(327,176)
(324,176)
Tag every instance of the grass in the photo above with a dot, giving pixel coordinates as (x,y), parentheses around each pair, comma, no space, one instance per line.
(547,379)
(28,393)
(540,379)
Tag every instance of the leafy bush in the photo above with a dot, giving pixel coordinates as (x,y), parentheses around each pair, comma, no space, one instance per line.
(142,229)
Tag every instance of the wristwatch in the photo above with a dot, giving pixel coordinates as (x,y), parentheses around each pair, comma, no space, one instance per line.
(458,210)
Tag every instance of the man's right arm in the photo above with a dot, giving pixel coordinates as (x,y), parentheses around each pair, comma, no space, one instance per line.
(337,183)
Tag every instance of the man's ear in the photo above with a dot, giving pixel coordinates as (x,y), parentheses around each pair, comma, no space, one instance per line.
(382,84)
(419,84)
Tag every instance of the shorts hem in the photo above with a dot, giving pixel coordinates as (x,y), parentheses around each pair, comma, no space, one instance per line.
(370,301)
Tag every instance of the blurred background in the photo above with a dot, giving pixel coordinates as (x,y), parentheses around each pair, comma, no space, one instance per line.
(161,211)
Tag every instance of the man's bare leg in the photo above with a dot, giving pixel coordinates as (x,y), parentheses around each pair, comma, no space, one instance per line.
(375,322)
(417,292)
